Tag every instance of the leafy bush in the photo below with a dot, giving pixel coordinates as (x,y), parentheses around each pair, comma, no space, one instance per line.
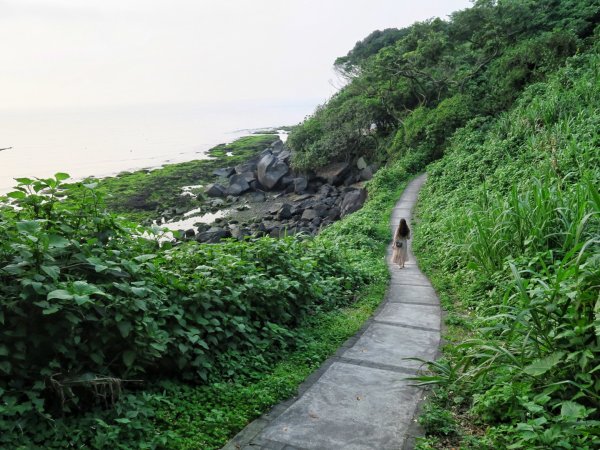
(89,305)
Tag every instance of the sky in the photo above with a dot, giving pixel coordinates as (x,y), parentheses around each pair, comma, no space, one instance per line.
(84,53)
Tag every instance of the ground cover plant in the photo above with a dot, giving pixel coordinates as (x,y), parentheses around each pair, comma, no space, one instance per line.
(509,233)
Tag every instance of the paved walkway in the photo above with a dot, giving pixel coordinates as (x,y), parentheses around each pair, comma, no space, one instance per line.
(359,398)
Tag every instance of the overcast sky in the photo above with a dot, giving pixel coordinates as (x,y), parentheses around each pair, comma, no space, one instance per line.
(84,53)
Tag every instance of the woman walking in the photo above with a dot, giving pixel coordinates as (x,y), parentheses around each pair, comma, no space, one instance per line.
(400,244)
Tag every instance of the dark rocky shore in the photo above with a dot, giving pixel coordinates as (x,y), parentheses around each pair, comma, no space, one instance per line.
(265,197)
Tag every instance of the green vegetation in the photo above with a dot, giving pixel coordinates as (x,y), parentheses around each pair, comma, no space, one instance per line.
(509,234)
(504,96)
(410,89)
(143,194)
(110,340)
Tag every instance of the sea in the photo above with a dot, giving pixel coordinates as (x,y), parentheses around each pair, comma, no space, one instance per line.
(104,141)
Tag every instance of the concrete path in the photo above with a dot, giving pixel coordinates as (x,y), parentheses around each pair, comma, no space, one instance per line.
(359,398)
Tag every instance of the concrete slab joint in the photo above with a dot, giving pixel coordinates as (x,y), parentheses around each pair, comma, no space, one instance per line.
(360,398)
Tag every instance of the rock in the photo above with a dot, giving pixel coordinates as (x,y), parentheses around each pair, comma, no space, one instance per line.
(270,170)
(224,172)
(334,173)
(321,209)
(366,174)
(248,176)
(276,232)
(309,214)
(285,212)
(299,198)
(284,156)
(300,185)
(239,233)
(190,233)
(213,235)
(249,166)
(274,209)
(276,146)
(353,201)
(297,210)
(286,181)
(351,179)
(238,185)
(333,213)
(200,227)
(215,190)
(361,163)
(256,197)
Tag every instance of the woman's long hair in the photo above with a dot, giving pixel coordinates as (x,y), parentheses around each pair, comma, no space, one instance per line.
(403,229)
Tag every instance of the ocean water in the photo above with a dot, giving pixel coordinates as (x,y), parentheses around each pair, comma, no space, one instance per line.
(105,141)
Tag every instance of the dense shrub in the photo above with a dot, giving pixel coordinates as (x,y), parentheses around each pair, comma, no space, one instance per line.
(90,302)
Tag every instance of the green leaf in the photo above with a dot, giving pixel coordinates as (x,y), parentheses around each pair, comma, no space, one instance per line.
(123,420)
(52,271)
(24,180)
(51,310)
(60,176)
(140,292)
(29,226)
(124,328)
(17,195)
(128,357)
(143,258)
(572,410)
(60,294)
(5,367)
(56,241)
(97,358)
(543,365)
(3,350)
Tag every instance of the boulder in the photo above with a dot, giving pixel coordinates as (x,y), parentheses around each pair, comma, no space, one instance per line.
(274,209)
(213,235)
(284,156)
(276,146)
(270,170)
(366,174)
(352,201)
(334,173)
(309,214)
(285,212)
(224,172)
(333,213)
(190,233)
(239,233)
(286,180)
(237,185)
(361,163)
(249,166)
(215,190)
(351,179)
(249,176)
(300,185)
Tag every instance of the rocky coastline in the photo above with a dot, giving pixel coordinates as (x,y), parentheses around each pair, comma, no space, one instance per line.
(264,196)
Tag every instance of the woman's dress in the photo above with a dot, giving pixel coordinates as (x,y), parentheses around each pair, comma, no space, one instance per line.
(400,254)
